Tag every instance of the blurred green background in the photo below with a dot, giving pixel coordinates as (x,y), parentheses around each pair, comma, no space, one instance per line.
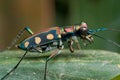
(41,14)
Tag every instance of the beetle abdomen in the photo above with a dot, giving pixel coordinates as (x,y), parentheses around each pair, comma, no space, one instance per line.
(39,39)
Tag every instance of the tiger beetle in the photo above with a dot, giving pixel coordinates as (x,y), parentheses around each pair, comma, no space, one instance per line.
(53,39)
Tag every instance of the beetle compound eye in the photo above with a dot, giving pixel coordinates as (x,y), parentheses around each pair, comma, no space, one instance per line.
(83,30)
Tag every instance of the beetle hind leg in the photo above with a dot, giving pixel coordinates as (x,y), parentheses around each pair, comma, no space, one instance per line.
(15,67)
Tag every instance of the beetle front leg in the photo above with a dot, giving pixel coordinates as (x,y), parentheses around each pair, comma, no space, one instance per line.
(84,42)
(72,40)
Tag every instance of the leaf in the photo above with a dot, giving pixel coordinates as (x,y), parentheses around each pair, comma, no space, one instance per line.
(116,77)
(80,65)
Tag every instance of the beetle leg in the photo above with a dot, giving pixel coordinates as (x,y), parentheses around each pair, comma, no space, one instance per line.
(84,42)
(58,51)
(89,38)
(74,38)
(38,49)
(19,35)
(15,67)
(70,43)
(29,30)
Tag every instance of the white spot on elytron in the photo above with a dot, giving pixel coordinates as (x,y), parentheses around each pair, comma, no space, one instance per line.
(50,36)
(37,40)
(26,44)
(59,36)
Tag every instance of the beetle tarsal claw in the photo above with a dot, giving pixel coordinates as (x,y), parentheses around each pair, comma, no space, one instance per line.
(85,44)
(89,38)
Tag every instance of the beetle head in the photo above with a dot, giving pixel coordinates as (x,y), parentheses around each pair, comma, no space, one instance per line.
(83,32)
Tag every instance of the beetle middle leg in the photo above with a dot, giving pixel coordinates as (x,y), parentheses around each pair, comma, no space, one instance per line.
(70,43)
(57,51)
(49,58)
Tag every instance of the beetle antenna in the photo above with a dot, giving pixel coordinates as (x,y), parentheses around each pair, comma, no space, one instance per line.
(102,29)
(113,29)
(108,40)
(19,35)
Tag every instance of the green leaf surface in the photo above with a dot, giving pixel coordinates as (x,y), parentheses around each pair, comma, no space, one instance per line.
(116,78)
(80,65)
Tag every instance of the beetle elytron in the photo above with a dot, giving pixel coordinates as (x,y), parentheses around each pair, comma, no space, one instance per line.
(53,39)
